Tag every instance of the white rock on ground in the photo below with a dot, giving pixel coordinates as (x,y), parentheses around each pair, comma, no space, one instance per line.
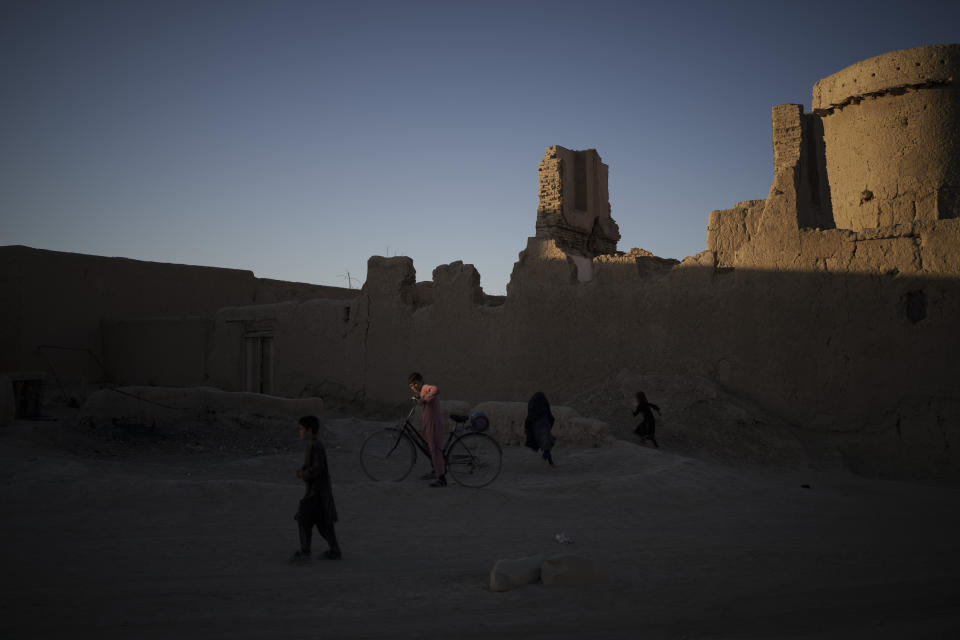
(513,573)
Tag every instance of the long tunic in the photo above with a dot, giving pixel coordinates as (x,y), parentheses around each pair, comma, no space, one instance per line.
(539,422)
(648,425)
(433,427)
(317,505)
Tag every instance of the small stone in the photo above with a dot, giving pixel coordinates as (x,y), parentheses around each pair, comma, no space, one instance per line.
(510,574)
(562,538)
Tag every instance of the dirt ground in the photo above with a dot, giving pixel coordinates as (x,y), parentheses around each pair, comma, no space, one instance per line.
(129,537)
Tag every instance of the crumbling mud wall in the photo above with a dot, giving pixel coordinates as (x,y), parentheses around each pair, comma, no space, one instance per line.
(870,359)
(54,304)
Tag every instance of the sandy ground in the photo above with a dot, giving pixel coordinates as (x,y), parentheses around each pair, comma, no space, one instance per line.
(143,541)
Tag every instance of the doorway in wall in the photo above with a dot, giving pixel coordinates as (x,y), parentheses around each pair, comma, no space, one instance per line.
(258,363)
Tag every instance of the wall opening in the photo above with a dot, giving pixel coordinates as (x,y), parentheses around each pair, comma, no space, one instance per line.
(258,363)
(580,180)
(948,203)
(915,306)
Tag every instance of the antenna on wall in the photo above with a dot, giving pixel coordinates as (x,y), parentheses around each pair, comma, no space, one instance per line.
(349,279)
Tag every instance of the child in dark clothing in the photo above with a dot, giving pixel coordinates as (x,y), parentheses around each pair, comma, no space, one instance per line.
(317,507)
(538,424)
(647,427)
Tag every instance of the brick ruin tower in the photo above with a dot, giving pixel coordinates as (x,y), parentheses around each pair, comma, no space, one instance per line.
(574,208)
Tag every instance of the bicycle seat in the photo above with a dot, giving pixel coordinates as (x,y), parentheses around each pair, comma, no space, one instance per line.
(458,418)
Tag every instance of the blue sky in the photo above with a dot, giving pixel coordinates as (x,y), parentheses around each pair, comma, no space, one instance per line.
(296,139)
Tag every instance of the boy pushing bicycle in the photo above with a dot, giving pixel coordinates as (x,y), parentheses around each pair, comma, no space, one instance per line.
(433,426)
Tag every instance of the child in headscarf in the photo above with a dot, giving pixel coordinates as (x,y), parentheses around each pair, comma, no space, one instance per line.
(538,424)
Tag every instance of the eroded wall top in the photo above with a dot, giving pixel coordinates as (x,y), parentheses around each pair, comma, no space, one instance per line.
(888,73)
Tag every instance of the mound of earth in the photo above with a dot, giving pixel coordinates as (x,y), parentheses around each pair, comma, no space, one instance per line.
(697,417)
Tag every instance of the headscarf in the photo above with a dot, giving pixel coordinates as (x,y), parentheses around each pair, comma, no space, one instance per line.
(538,407)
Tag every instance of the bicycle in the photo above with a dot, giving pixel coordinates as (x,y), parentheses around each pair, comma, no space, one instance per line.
(473,458)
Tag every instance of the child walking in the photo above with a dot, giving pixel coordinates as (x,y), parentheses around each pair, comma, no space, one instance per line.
(647,427)
(317,508)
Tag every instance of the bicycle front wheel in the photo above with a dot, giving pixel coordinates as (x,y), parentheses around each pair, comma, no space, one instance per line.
(474,460)
(387,455)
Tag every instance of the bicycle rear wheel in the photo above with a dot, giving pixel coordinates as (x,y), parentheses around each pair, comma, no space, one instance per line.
(474,460)
(387,455)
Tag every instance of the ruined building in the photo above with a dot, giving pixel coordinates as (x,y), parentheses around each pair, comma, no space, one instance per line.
(574,205)
(832,305)
(869,182)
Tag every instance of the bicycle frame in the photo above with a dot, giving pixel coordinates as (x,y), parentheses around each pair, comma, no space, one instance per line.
(414,434)
(473,459)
